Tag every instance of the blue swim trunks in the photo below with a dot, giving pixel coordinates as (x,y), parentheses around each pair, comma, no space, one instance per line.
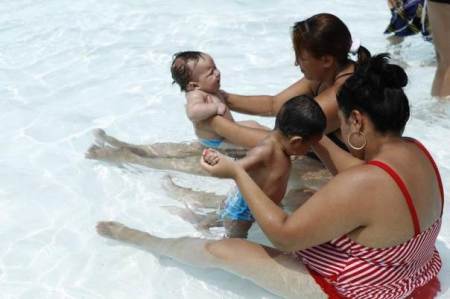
(212,143)
(236,208)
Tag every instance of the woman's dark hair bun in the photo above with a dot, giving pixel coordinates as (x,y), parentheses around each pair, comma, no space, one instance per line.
(386,74)
(395,76)
(376,88)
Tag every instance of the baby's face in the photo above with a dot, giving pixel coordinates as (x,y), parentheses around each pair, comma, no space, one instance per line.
(206,74)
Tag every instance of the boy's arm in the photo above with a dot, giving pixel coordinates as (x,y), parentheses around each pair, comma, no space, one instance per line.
(199,108)
(254,157)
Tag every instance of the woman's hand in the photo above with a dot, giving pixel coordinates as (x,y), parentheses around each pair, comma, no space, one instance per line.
(217,164)
(224,95)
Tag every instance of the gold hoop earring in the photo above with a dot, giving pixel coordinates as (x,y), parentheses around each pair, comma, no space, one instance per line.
(357,148)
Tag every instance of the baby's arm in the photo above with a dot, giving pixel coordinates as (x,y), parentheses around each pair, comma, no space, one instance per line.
(253,159)
(199,107)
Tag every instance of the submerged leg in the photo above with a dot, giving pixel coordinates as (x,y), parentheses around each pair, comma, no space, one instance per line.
(271,269)
(124,155)
(195,199)
(202,222)
(171,156)
(155,150)
(296,198)
(237,228)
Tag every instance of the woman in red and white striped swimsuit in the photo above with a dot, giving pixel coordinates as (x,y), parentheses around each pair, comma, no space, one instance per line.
(343,267)
(370,232)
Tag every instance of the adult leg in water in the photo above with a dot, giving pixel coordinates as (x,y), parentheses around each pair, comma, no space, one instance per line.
(171,156)
(124,155)
(155,150)
(269,268)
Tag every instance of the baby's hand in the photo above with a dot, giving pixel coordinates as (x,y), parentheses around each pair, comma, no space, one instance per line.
(210,156)
(217,164)
(221,108)
(209,99)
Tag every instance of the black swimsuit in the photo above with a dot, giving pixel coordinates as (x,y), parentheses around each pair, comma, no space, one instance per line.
(333,135)
(441,1)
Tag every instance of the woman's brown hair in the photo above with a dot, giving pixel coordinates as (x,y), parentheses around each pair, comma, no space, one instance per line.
(325,34)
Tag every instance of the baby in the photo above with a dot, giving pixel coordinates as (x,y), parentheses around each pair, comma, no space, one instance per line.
(197,75)
(299,123)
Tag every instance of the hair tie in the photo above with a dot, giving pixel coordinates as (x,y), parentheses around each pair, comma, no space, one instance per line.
(356,43)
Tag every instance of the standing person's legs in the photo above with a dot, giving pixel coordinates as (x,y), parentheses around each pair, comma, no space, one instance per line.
(269,268)
(439,15)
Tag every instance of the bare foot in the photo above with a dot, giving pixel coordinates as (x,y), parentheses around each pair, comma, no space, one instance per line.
(100,136)
(112,230)
(91,153)
(97,152)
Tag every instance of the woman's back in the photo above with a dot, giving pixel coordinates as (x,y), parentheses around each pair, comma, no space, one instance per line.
(390,220)
(395,252)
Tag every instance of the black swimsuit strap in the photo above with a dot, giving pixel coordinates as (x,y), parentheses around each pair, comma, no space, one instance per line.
(342,75)
(316,93)
(317,89)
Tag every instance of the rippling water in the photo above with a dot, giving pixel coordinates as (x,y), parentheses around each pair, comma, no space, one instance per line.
(67,67)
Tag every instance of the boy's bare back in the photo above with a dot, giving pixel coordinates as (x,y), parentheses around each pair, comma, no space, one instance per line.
(269,167)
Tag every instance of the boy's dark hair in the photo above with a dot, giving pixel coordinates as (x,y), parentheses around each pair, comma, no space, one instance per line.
(181,72)
(376,88)
(301,116)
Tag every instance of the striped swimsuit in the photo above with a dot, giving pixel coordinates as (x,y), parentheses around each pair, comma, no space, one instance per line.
(346,269)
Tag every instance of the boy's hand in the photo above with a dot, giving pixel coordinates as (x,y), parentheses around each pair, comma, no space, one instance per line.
(217,164)
(221,108)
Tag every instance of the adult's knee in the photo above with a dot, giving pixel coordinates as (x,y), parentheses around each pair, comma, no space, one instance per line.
(223,249)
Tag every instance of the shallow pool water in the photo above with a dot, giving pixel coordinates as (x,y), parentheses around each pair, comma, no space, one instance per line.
(67,67)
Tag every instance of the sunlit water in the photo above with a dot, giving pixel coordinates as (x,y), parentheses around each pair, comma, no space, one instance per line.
(67,67)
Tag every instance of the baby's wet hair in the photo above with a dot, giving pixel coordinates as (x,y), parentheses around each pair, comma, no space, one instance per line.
(181,71)
(301,116)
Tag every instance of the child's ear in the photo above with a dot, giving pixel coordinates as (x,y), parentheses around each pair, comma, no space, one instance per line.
(296,141)
(191,86)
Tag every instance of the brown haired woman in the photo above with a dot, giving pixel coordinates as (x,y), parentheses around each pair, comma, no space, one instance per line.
(322,44)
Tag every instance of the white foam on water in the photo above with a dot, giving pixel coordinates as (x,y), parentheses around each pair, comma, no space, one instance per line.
(67,67)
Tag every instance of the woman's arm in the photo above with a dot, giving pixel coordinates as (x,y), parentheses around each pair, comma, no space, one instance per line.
(335,158)
(266,105)
(332,211)
(237,134)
